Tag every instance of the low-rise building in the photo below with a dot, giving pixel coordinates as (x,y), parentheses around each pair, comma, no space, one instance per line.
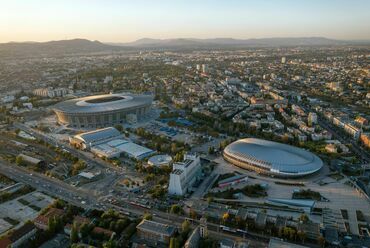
(277,243)
(311,229)
(42,221)
(365,139)
(18,237)
(352,130)
(31,160)
(88,139)
(155,232)
(50,92)
(227,243)
(193,240)
(109,143)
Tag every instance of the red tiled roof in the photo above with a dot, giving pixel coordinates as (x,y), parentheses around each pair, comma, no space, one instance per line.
(54,212)
(5,242)
(102,230)
(41,219)
(80,220)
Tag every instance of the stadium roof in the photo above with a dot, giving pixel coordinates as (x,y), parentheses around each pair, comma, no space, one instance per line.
(276,157)
(103,103)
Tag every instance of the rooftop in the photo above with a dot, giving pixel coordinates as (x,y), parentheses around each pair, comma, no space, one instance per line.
(275,156)
(103,103)
(155,227)
(100,134)
(277,243)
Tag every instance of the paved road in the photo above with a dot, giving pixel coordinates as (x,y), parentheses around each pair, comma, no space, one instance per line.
(85,200)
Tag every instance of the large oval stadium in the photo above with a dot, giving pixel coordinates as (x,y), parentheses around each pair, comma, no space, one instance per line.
(102,110)
(272,158)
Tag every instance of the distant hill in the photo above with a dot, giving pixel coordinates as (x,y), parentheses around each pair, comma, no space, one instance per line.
(82,46)
(61,47)
(230,42)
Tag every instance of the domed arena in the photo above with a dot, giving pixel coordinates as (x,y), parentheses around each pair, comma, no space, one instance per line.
(272,158)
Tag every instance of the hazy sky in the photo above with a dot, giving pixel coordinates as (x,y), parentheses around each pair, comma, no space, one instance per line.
(127,20)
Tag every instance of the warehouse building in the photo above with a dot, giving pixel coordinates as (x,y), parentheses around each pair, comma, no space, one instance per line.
(109,143)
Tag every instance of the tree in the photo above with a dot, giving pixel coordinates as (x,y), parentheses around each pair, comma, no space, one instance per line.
(175,209)
(302,236)
(174,243)
(119,128)
(185,226)
(193,214)
(51,225)
(225,217)
(77,167)
(147,216)
(110,244)
(304,218)
(74,233)
(211,150)
(179,157)
(85,230)
(19,160)
(209,199)
(321,241)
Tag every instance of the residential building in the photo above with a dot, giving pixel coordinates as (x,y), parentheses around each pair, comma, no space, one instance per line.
(352,130)
(193,240)
(51,93)
(155,232)
(277,243)
(365,139)
(18,237)
(227,243)
(312,118)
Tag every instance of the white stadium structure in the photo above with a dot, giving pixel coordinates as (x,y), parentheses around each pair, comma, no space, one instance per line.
(160,160)
(102,110)
(272,158)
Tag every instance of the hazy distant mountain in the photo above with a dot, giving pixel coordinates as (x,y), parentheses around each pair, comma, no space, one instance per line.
(228,42)
(81,46)
(61,47)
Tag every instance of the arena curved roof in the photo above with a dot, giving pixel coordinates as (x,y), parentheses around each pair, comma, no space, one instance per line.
(103,103)
(273,157)
(158,160)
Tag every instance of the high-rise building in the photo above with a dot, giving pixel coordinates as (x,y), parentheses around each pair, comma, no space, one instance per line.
(203,230)
(184,174)
(283,60)
(312,118)
(205,68)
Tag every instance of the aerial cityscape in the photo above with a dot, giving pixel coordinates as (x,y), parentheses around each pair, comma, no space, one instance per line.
(142,124)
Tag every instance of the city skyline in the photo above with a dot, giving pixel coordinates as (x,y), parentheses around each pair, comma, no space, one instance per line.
(123,21)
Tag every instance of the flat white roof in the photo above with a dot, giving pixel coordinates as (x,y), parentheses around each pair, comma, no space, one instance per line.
(117,142)
(87,175)
(134,150)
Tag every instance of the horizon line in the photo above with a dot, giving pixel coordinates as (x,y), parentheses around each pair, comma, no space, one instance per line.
(177,38)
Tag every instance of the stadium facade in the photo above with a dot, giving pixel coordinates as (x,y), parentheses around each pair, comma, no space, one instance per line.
(102,110)
(272,158)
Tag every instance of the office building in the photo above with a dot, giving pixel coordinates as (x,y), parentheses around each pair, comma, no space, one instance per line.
(184,174)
